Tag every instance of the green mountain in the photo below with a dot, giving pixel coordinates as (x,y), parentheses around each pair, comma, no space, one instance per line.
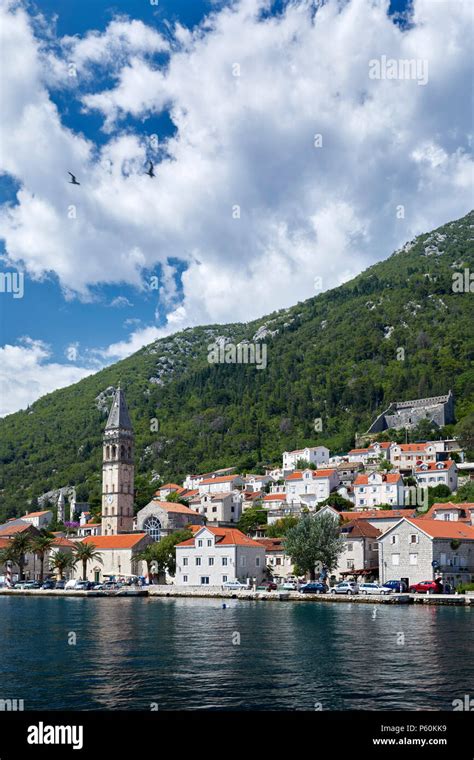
(336,357)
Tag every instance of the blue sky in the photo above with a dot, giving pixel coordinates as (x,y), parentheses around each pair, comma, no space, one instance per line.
(226,98)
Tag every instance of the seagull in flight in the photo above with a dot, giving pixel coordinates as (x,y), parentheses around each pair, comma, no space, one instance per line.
(73,180)
(150,171)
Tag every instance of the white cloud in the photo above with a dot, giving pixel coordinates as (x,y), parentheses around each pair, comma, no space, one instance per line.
(26,374)
(245,140)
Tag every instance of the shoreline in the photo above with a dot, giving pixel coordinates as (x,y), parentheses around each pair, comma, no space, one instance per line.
(159,592)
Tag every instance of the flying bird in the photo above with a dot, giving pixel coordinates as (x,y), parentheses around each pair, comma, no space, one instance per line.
(73,180)
(150,171)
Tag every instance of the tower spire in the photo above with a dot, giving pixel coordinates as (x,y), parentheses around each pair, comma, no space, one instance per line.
(119,418)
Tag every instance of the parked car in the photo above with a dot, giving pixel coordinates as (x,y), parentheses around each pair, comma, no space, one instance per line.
(48,585)
(270,586)
(373,588)
(346,587)
(71,584)
(399,587)
(289,586)
(61,585)
(31,585)
(83,586)
(314,588)
(19,585)
(234,585)
(424,586)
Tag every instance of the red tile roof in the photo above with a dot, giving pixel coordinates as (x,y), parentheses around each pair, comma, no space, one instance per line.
(390,477)
(36,514)
(372,514)
(171,506)
(430,466)
(361,529)
(444,528)
(413,446)
(274,497)
(4,542)
(298,474)
(65,542)
(169,486)
(225,537)
(120,541)
(219,479)
(271,544)
(467,507)
(9,531)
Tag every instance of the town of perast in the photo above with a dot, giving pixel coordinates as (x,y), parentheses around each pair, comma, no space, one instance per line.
(236,375)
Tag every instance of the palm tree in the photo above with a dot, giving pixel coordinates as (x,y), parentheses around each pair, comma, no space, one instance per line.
(85,553)
(19,546)
(41,546)
(62,561)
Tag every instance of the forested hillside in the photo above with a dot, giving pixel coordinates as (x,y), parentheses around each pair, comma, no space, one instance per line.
(335,357)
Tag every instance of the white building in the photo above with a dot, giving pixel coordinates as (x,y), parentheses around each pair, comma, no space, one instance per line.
(219,483)
(407,456)
(372,453)
(310,487)
(118,557)
(377,488)
(463,512)
(360,555)
(431,474)
(217,555)
(219,507)
(318,455)
(410,547)
(277,561)
(38,519)
(193,481)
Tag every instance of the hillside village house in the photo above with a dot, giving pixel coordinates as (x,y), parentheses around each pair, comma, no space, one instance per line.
(360,556)
(347,472)
(431,474)
(89,529)
(193,481)
(278,563)
(168,488)
(217,555)
(372,453)
(256,483)
(317,455)
(383,519)
(118,556)
(39,520)
(449,511)
(310,487)
(160,518)
(406,456)
(376,488)
(220,483)
(409,548)
(252,499)
(219,507)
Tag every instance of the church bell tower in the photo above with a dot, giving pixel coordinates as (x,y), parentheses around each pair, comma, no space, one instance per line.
(117,470)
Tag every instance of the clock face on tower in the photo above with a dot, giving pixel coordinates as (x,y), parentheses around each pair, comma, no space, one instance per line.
(110,499)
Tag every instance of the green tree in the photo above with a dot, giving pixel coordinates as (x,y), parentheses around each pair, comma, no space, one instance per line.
(20,545)
(41,545)
(147,555)
(464,431)
(314,539)
(165,553)
(338,502)
(280,528)
(86,553)
(252,518)
(62,561)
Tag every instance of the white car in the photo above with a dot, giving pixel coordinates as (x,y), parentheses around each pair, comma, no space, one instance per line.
(71,584)
(373,588)
(235,585)
(289,586)
(346,587)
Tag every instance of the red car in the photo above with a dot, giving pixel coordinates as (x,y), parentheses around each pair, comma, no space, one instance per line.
(425,586)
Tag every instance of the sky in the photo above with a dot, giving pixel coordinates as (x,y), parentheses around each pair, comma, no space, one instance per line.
(286,161)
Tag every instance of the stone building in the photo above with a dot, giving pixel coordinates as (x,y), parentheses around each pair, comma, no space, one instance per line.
(118,470)
(160,518)
(421,549)
(407,414)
